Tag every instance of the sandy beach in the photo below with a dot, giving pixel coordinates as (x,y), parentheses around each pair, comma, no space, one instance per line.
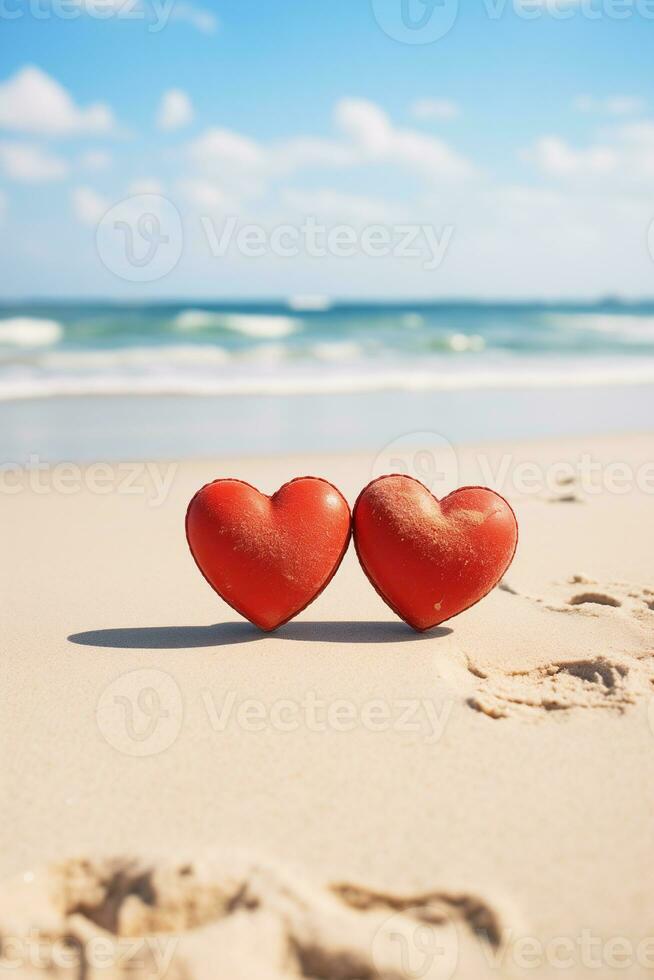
(288,805)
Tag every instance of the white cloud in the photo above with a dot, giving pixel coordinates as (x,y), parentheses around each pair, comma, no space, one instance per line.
(366,125)
(518,199)
(30,163)
(305,152)
(203,20)
(377,140)
(556,158)
(242,167)
(434,109)
(553,240)
(95,160)
(639,134)
(204,194)
(88,206)
(624,158)
(237,163)
(175,110)
(33,102)
(366,136)
(573,239)
(224,149)
(611,105)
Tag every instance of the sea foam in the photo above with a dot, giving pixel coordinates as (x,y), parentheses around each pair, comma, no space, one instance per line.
(257,325)
(28,332)
(624,326)
(58,378)
(182,355)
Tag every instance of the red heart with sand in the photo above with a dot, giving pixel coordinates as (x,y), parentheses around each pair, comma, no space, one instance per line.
(428,559)
(268,557)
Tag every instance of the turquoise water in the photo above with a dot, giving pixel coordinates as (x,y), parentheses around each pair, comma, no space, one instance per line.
(306,376)
(308,347)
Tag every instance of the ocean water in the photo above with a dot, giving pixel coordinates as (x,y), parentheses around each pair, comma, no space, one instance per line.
(286,373)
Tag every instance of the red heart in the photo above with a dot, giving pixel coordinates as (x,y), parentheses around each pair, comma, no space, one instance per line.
(430,560)
(268,557)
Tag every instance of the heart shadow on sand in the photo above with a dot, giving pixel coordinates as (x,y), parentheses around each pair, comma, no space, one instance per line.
(227,634)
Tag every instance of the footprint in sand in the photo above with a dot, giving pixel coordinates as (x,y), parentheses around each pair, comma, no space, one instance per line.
(582,594)
(614,679)
(601,683)
(565,492)
(232,915)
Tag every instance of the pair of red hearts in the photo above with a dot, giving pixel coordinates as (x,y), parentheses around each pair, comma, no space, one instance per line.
(269,557)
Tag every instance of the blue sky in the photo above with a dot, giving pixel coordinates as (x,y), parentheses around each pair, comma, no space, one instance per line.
(527,130)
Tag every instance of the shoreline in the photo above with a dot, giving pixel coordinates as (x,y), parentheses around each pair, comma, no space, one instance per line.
(114,428)
(344,382)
